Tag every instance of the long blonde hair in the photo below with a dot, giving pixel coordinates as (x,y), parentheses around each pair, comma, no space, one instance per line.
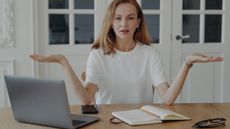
(107,37)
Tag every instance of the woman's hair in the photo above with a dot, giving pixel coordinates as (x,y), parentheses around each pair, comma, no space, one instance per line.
(107,37)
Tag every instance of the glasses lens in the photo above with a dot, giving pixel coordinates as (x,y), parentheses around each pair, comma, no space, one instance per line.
(217,120)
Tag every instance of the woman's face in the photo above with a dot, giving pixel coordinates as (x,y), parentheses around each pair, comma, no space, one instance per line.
(125,21)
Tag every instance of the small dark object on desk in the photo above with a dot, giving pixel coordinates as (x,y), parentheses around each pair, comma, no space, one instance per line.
(89,109)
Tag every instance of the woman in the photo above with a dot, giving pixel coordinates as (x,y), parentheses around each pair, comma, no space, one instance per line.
(123,67)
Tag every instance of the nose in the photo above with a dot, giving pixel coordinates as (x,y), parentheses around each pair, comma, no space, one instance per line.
(124,22)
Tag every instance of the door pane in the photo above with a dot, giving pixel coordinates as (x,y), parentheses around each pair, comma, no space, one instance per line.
(153,26)
(213,29)
(191,26)
(84,4)
(150,4)
(84,28)
(58,4)
(213,4)
(191,4)
(58,29)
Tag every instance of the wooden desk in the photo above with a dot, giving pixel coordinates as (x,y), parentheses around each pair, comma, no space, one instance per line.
(195,111)
(225,108)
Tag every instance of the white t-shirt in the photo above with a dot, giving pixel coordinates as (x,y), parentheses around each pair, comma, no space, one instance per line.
(125,77)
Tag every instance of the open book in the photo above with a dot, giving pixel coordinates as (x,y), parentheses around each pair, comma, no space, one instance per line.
(148,115)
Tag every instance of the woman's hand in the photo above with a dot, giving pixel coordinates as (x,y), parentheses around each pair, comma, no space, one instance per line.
(201,58)
(60,59)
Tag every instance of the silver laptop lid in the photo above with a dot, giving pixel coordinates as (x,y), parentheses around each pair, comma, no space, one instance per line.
(39,101)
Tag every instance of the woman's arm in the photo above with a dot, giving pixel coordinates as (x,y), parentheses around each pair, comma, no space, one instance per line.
(169,94)
(86,95)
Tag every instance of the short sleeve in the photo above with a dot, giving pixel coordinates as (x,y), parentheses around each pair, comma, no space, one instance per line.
(157,69)
(92,71)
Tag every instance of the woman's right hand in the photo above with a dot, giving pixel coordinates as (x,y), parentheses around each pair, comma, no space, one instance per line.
(60,59)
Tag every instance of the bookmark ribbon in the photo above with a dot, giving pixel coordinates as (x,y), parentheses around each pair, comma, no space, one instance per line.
(115,120)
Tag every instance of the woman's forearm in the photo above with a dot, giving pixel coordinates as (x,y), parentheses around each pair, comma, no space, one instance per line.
(82,93)
(175,88)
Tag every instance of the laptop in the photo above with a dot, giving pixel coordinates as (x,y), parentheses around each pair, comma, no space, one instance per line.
(43,102)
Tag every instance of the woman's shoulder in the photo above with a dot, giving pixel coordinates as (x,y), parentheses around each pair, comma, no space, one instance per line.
(96,52)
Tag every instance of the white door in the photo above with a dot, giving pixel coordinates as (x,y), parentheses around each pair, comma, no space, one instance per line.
(201,26)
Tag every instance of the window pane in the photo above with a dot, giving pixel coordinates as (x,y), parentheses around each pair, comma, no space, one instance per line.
(84,28)
(153,26)
(213,4)
(58,4)
(191,26)
(58,29)
(213,28)
(150,4)
(191,4)
(84,4)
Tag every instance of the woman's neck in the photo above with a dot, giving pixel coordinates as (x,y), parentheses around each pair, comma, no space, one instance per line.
(125,45)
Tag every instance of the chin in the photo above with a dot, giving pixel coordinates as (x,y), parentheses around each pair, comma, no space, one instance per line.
(125,36)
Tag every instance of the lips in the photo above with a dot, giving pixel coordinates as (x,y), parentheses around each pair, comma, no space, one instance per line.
(124,31)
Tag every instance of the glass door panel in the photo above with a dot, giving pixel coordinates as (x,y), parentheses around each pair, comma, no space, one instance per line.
(151,9)
(58,4)
(84,28)
(153,25)
(58,29)
(191,28)
(213,25)
(150,4)
(84,4)
(213,4)
(191,4)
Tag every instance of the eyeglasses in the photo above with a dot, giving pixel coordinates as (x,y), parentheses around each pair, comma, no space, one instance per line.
(210,123)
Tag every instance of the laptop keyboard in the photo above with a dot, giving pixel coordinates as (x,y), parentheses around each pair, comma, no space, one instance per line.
(77,122)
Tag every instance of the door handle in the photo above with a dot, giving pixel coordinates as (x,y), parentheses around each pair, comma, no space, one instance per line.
(179,37)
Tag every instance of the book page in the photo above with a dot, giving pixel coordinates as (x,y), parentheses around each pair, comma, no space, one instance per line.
(164,114)
(136,117)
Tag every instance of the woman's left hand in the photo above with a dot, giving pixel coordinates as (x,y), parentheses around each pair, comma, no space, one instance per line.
(201,58)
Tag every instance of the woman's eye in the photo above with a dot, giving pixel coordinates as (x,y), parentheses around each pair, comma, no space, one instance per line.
(131,18)
(117,18)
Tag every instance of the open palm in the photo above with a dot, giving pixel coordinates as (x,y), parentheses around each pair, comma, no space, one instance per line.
(202,58)
(48,59)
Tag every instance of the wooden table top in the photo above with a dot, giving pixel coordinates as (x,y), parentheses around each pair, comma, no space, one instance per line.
(195,111)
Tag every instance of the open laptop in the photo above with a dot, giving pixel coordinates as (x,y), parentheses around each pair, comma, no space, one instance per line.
(43,102)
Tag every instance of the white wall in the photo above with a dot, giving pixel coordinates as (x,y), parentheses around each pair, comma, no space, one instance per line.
(15,60)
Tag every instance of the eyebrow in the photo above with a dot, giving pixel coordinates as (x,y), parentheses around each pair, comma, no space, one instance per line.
(128,15)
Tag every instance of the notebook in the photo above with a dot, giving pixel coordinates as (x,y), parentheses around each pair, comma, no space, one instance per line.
(43,102)
(148,115)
